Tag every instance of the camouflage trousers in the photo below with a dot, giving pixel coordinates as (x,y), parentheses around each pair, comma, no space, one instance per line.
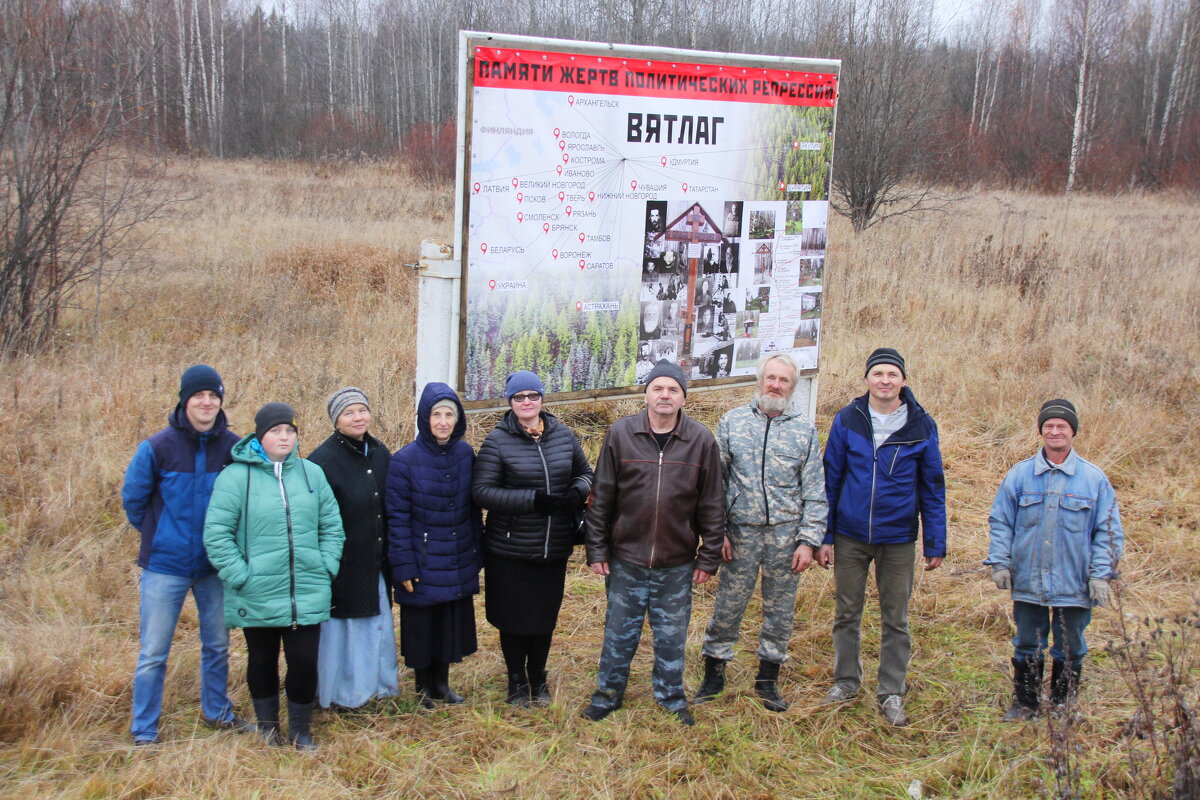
(765,549)
(633,592)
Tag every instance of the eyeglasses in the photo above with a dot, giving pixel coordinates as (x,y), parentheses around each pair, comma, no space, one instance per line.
(527,397)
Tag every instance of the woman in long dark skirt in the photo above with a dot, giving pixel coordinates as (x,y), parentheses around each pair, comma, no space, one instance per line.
(434,544)
(533,478)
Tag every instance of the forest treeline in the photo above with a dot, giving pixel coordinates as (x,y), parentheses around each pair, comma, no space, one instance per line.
(1054,95)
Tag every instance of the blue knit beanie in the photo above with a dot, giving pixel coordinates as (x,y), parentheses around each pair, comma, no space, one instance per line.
(199,378)
(522,381)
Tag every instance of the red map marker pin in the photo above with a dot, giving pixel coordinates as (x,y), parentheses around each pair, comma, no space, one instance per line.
(582,263)
(568,211)
(515,182)
(520,217)
(685,188)
(579,305)
(558,169)
(566,157)
(476,188)
(781,186)
(795,145)
(492,285)
(545,227)
(554,253)
(562,144)
(582,236)
(483,246)
(571,99)
(591,197)
(633,185)
(556,132)
(561,195)
(663,160)
(520,197)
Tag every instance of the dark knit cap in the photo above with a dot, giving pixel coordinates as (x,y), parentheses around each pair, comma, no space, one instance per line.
(342,399)
(665,369)
(200,378)
(1059,409)
(522,381)
(273,414)
(886,355)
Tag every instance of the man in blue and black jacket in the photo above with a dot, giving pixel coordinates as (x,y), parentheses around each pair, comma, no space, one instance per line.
(167,488)
(883,473)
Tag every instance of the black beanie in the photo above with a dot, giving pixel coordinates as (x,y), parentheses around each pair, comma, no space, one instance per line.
(198,379)
(886,355)
(273,414)
(665,369)
(1059,409)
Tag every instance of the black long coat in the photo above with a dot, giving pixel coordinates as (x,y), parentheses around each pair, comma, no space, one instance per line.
(358,484)
(510,468)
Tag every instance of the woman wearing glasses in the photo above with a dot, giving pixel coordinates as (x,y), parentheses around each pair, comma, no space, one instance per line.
(533,478)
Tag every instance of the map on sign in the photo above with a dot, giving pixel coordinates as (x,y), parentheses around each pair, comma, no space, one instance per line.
(621,210)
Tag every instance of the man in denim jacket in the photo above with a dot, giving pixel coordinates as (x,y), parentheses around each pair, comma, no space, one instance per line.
(1056,538)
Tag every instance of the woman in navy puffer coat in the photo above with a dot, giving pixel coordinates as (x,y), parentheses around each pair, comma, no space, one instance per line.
(435,548)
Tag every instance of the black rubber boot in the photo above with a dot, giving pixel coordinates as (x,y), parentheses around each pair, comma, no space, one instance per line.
(1027,689)
(714,680)
(266,710)
(424,681)
(440,671)
(765,686)
(518,690)
(300,725)
(1064,681)
(539,689)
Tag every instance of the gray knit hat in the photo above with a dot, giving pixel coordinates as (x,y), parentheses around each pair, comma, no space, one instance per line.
(1059,409)
(886,355)
(665,369)
(342,399)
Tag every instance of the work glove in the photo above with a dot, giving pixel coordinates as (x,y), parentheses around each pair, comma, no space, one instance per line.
(1100,591)
(1003,578)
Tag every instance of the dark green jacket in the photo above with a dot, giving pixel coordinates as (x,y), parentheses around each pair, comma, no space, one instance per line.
(274,533)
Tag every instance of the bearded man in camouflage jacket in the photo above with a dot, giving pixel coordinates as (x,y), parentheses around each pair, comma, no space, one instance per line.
(775,519)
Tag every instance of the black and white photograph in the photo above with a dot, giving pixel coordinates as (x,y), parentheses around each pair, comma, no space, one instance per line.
(732,226)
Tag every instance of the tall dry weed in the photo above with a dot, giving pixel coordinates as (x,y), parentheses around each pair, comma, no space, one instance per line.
(290,279)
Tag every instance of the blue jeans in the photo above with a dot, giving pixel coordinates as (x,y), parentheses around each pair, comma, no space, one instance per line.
(635,592)
(1034,623)
(162,599)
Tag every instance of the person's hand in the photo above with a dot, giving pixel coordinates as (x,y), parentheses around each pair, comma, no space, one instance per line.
(932,563)
(576,498)
(1100,590)
(726,550)
(802,559)
(408,585)
(543,503)
(825,556)
(600,568)
(700,576)
(1002,578)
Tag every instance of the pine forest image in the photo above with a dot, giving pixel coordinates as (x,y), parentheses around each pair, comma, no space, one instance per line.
(546,330)
(782,137)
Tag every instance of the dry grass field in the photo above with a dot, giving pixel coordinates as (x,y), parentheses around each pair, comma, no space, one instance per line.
(291,279)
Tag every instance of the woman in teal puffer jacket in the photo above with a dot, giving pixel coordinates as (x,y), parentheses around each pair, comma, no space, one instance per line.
(274,533)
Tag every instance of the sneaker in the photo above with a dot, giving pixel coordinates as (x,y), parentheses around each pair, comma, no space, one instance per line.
(144,742)
(685,716)
(892,708)
(234,723)
(838,694)
(595,713)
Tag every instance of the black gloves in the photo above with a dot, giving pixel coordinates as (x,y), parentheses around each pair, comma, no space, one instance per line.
(544,503)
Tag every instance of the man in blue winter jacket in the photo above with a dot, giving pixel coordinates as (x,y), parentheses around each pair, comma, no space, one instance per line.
(1056,538)
(883,474)
(167,487)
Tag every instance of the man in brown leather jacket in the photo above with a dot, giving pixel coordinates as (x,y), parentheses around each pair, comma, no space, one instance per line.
(655,525)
